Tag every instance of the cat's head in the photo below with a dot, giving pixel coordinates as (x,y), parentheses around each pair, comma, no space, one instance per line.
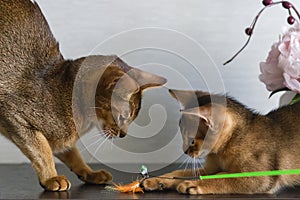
(204,114)
(119,92)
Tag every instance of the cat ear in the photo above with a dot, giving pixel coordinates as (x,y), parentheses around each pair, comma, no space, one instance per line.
(126,87)
(187,97)
(145,79)
(214,115)
(184,96)
(203,113)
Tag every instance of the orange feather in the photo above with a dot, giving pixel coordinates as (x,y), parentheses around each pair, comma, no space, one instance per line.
(130,187)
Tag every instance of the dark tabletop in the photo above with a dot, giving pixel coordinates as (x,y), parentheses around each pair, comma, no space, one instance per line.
(20,182)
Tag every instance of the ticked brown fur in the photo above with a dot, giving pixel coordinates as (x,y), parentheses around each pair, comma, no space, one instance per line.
(246,142)
(45,100)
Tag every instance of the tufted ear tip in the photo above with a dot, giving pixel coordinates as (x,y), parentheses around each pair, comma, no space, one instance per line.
(172,93)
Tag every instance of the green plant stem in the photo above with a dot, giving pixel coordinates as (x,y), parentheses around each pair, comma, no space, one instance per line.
(295,99)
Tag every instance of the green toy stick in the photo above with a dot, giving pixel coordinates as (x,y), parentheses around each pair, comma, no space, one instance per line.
(144,173)
(251,174)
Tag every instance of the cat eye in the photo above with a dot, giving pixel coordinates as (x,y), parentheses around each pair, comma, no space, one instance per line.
(191,141)
(121,120)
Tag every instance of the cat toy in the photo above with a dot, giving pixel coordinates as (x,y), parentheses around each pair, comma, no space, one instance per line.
(135,186)
(130,187)
(252,174)
(239,175)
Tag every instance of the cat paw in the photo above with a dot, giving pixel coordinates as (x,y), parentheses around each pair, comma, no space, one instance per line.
(96,177)
(152,184)
(189,187)
(58,183)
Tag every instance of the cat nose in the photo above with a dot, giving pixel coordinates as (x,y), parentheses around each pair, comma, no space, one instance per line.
(122,134)
(187,151)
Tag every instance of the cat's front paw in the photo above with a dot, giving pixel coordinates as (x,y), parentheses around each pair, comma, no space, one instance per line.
(58,183)
(189,187)
(152,184)
(96,177)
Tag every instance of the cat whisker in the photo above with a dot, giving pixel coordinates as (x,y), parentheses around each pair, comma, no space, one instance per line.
(111,141)
(108,133)
(92,137)
(191,162)
(183,162)
(98,147)
(95,107)
(98,133)
(200,162)
(101,144)
(198,166)
(90,145)
(107,140)
(92,115)
(187,163)
(194,166)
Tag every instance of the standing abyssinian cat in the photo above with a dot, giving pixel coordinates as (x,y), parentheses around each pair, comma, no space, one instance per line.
(246,142)
(36,95)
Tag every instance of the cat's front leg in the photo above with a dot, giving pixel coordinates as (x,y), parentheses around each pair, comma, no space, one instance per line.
(36,147)
(170,180)
(74,161)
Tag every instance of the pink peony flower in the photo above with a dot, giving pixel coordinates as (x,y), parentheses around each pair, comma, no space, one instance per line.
(271,74)
(282,67)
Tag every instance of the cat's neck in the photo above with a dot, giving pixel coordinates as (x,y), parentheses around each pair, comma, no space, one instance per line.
(58,79)
(239,120)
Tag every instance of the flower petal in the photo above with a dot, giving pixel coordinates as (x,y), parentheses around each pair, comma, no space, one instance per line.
(291,83)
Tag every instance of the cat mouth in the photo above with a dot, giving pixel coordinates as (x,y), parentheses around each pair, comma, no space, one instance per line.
(199,154)
(193,155)
(190,153)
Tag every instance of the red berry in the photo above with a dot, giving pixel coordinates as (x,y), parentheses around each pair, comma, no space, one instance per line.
(249,31)
(286,4)
(267,2)
(291,20)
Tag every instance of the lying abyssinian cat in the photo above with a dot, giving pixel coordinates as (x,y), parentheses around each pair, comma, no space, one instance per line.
(246,142)
(36,95)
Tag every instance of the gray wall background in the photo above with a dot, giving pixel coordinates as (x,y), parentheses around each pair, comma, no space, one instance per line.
(189,36)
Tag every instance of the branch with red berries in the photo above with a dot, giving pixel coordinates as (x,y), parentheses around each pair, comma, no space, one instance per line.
(268,3)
